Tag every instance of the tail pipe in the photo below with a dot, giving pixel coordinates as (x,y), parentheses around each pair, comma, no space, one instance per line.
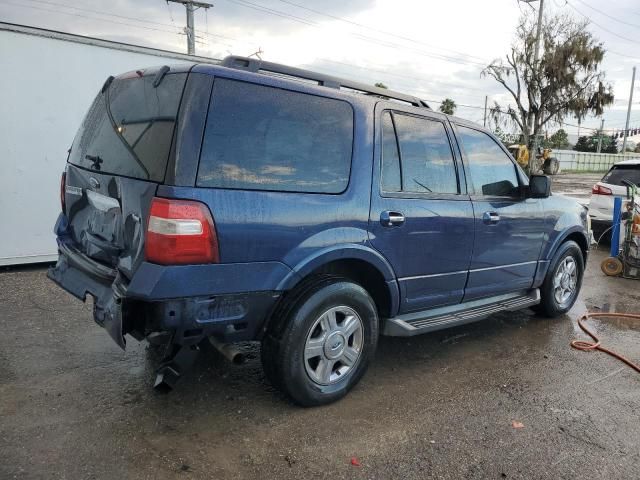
(229,351)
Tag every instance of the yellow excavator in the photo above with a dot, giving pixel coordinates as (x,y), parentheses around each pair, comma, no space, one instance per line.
(543,162)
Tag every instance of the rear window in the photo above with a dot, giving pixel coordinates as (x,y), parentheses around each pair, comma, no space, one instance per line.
(264,138)
(129,128)
(618,173)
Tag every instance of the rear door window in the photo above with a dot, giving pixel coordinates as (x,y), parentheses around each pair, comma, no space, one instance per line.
(491,170)
(618,173)
(129,128)
(264,138)
(418,157)
(391,176)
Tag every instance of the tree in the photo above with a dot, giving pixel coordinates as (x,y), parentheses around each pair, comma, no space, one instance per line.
(559,140)
(448,106)
(590,144)
(381,85)
(566,80)
(504,137)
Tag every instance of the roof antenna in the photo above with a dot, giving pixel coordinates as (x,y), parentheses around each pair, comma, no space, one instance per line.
(257,54)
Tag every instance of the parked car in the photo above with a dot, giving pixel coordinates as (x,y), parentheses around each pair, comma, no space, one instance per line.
(253,201)
(606,190)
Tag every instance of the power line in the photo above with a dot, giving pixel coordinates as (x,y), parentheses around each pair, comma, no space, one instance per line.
(191,6)
(608,50)
(89,10)
(600,26)
(609,16)
(88,17)
(177,33)
(98,12)
(170,15)
(384,43)
(399,75)
(232,39)
(368,27)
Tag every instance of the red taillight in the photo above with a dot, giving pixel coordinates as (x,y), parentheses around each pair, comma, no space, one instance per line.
(180,232)
(600,190)
(63,182)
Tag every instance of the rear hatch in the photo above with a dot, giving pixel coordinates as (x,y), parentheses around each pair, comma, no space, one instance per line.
(621,173)
(611,186)
(118,157)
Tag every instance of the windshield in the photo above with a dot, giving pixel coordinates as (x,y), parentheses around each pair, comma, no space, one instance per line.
(618,173)
(129,128)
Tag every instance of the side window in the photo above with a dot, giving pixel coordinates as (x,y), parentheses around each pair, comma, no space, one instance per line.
(491,171)
(264,138)
(426,161)
(390,157)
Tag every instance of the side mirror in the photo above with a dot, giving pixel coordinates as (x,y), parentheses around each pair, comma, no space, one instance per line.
(539,186)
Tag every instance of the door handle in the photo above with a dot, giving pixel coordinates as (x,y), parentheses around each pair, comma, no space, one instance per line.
(391,219)
(490,218)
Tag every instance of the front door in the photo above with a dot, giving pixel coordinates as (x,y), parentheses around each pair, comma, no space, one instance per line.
(421,219)
(509,228)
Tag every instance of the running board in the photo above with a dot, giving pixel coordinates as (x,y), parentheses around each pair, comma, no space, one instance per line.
(431,320)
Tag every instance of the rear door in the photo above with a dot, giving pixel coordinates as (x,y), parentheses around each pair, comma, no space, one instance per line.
(509,229)
(421,219)
(118,157)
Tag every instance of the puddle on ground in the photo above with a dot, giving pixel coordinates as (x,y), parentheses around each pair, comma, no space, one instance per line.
(620,322)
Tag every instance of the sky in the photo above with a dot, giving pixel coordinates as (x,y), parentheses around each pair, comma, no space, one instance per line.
(433,49)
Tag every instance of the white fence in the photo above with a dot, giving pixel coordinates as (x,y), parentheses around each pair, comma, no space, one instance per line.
(571,160)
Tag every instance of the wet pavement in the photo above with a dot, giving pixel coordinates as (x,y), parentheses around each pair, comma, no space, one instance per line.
(74,406)
(575,185)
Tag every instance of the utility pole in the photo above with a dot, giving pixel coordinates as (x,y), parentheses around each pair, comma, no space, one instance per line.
(536,57)
(191,6)
(626,127)
(486,97)
(600,135)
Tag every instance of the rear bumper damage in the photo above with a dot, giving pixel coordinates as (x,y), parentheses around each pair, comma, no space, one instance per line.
(106,291)
(230,317)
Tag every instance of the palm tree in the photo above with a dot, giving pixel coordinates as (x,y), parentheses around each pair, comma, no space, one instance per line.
(448,106)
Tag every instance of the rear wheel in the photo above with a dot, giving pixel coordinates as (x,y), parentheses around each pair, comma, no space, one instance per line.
(321,341)
(562,283)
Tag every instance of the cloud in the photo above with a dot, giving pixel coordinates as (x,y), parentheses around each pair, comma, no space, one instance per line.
(431,49)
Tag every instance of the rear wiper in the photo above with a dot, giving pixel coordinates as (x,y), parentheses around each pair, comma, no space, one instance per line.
(160,75)
(95,161)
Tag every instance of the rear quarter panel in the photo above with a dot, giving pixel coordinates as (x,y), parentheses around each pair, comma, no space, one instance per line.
(289,227)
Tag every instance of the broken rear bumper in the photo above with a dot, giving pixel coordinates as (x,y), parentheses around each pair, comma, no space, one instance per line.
(80,277)
(120,307)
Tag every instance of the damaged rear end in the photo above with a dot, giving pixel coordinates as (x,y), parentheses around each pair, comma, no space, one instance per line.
(110,216)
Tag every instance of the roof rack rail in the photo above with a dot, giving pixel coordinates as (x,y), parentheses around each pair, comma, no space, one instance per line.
(256,66)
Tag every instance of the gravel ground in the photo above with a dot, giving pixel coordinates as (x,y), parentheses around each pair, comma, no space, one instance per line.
(74,406)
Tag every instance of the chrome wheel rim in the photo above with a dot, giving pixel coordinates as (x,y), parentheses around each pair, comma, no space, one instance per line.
(565,281)
(333,345)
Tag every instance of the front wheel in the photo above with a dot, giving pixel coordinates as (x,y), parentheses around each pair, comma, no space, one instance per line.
(562,283)
(322,341)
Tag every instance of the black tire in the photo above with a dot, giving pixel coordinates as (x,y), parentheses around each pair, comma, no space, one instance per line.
(283,345)
(549,305)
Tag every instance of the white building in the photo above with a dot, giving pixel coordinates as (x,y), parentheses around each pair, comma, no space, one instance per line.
(48,82)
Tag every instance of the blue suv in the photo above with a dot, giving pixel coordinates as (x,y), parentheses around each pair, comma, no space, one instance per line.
(254,201)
